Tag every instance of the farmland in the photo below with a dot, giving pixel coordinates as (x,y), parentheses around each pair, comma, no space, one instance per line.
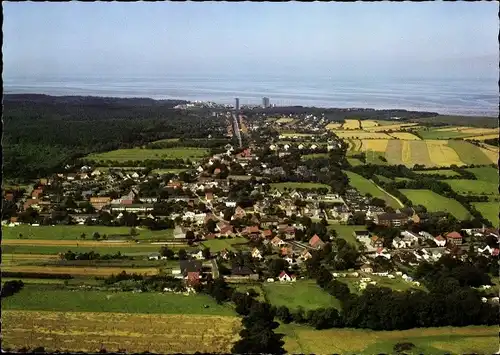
(48,298)
(472,187)
(298,185)
(361,134)
(284,120)
(302,293)
(333,125)
(404,136)
(489,210)
(351,124)
(219,244)
(485,174)
(134,332)
(109,248)
(434,202)
(366,186)
(80,271)
(138,154)
(474,339)
(354,161)
(470,154)
(314,156)
(72,233)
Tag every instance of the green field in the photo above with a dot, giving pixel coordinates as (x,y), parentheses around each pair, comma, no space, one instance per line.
(446,172)
(346,232)
(365,186)
(469,153)
(64,232)
(383,178)
(298,185)
(435,134)
(167,171)
(168,140)
(314,156)
(219,244)
(138,154)
(105,249)
(472,187)
(354,161)
(303,293)
(47,298)
(485,173)
(434,202)
(489,210)
(300,339)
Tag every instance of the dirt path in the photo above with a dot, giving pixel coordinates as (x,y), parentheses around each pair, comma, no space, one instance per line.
(394,197)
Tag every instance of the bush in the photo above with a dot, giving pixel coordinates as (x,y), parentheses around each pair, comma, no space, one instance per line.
(400,347)
(11,287)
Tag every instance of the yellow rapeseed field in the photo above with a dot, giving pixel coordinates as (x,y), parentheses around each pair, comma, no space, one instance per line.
(393,127)
(404,135)
(450,129)
(333,126)
(77,270)
(92,331)
(368,123)
(479,131)
(441,154)
(406,153)
(483,137)
(377,145)
(351,124)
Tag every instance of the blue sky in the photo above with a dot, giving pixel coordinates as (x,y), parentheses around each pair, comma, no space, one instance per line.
(450,39)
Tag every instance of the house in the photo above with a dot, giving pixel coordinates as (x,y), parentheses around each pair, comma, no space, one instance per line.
(409,238)
(225,228)
(179,233)
(390,219)
(277,242)
(224,254)
(186,266)
(269,221)
(286,251)
(99,202)
(315,242)
(35,194)
(377,242)
(175,184)
(382,252)
(210,236)
(230,203)
(361,235)
(366,268)
(154,256)
(305,255)
(256,254)
(198,255)
(267,233)
(239,213)
(241,270)
(454,238)
(193,278)
(288,232)
(440,241)
(425,235)
(284,277)
(397,243)
(209,196)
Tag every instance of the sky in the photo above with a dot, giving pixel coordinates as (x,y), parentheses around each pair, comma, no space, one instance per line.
(427,39)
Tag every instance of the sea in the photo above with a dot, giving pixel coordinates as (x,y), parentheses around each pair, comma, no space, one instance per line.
(472,96)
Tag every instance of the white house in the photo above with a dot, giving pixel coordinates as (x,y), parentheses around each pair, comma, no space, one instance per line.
(256,254)
(284,277)
(398,243)
(440,241)
(314,146)
(198,255)
(425,235)
(301,146)
(230,203)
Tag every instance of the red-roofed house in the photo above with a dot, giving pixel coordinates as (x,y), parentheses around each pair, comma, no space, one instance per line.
(239,213)
(286,251)
(210,236)
(36,193)
(284,277)
(209,196)
(267,233)
(454,238)
(251,230)
(175,184)
(316,242)
(277,242)
(440,241)
(193,278)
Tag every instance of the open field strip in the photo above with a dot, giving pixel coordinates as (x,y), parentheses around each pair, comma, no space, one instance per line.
(491,147)
(167,171)
(441,154)
(440,172)
(472,187)
(285,120)
(377,145)
(64,232)
(387,122)
(368,123)
(333,126)
(314,156)
(365,186)
(404,136)
(292,135)
(216,245)
(22,259)
(470,154)
(132,250)
(449,129)
(489,210)
(356,144)
(454,340)
(419,153)
(65,243)
(80,271)
(392,127)
(435,203)
(302,293)
(358,134)
(406,153)
(426,133)
(481,131)
(135,333)
(482,138)
(137,154)
(485,173)
(393,152)
(354,161)
(351,124)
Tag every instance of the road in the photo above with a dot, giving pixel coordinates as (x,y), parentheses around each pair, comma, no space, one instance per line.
(215,269)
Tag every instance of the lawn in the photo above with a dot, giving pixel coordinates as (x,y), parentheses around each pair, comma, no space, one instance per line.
(354,161)
(346,232)
(302,293)
(383,178)
(434,202)
(436,134)
(440,172)
(365,186)
(469,153)
(64,232)
(81,271)
(47,298)
(489,210)
(138,154)
(219,244)
(298,185)
(133,332)
(472,187)
(167,171)
(55,249)
(454,340)
(314,156)
(485,173)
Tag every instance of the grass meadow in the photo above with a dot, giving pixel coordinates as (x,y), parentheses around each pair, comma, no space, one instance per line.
(365,186)
(139,154)
(434,202)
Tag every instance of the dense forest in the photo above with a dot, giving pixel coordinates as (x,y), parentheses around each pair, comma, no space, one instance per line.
(43,133)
